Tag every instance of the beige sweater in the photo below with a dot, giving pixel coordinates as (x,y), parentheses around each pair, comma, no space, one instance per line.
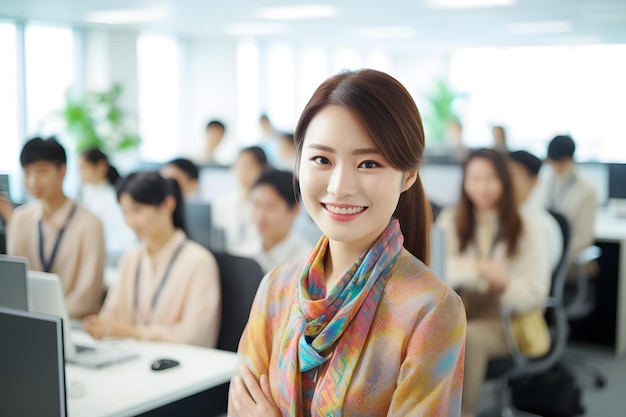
(528,271)
(79,261)
(189,305)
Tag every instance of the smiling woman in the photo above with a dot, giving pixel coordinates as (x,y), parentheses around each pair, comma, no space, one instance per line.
(362,327)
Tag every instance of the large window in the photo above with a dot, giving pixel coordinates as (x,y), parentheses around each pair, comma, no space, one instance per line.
(9,130)
(49,52)
(159,99)
(539,92)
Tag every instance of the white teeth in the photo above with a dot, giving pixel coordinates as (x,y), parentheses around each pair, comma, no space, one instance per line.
(344,210)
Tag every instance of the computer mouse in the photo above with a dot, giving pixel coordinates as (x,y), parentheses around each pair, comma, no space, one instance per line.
(162,364)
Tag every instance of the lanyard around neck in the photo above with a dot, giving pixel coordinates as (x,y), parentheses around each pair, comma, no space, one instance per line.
(47,265)
(166,274)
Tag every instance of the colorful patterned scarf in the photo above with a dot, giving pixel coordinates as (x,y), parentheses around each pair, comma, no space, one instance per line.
(330,331)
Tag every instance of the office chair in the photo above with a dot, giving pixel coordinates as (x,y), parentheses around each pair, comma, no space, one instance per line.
(581,303)
(239,279)
(583,299)
(518,365)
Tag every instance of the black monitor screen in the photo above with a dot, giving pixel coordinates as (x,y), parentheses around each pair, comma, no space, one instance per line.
(198,219)
(13,292)
(617,181)
(32,372)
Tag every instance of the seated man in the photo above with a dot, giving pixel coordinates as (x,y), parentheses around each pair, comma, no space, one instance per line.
(186,174)
(56,234)
(564,190)
(524,168)
(274,209)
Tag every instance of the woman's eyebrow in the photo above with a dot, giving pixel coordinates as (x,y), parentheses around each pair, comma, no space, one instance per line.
(361,151)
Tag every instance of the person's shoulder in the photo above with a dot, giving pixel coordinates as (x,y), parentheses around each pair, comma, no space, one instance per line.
(29,212)
(86,216)
(130,256)
(199,254)
(411,275)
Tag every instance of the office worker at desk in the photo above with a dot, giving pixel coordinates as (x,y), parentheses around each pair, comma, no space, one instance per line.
(494,257)
(564,190)
(168,287)
(362,327)
(56,234)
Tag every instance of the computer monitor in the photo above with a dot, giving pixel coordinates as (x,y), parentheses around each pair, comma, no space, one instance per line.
(32,376)
(45,296)
(617,181)
(199,222)
(13,287)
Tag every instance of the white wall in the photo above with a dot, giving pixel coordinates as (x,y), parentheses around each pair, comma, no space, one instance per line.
(209,91)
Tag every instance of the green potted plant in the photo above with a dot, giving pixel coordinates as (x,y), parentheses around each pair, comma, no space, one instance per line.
(440,111)
(96,120)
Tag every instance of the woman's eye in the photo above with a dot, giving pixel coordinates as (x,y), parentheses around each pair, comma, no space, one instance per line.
(321,160)
(369,164)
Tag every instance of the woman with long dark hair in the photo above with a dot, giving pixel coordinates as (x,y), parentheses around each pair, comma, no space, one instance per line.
(495,257)
(168,287)
(362,327)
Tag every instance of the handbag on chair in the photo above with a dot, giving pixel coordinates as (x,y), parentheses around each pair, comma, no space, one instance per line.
(531,333)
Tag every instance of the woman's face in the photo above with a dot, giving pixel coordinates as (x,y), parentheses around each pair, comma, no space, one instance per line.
(144,219)
(348,187)
(482,184)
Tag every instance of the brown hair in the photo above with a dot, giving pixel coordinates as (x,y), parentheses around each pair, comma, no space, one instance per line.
(509,220)
(387,113)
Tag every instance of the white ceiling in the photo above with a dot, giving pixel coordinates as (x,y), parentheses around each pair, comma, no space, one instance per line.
(590,21)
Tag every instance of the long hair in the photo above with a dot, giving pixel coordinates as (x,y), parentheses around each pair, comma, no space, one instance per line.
(95,156)
(387,113)
(509,220)
(151,188)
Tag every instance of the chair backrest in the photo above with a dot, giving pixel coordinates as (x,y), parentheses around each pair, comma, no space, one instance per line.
(240,279)
(560,271)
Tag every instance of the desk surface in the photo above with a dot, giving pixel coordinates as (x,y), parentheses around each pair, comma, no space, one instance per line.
(610,227)
(132,388)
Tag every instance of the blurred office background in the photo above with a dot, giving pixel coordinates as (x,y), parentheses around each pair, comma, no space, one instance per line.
(538,68)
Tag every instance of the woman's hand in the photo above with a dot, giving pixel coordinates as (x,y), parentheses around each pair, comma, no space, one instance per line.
(100,328)
(248,398)
(495,274)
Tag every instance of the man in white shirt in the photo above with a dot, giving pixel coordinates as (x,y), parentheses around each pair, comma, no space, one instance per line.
(524,168)
(274,209)
(564,190)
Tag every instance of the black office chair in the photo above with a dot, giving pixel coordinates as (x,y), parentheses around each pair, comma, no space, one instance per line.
(518,365)
(240,279)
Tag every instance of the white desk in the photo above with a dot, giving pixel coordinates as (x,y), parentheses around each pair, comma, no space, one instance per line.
(612,229)
(132,388)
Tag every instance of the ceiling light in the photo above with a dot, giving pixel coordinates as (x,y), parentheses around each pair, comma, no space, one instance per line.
(311,11)
(533,28)
(466,4)
(255,29)
(126,16)
(386,32)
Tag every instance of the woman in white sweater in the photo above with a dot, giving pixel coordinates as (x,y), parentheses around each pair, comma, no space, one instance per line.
(494,256)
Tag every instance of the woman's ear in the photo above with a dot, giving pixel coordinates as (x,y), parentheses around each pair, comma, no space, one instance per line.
(169,204)
(408,179)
